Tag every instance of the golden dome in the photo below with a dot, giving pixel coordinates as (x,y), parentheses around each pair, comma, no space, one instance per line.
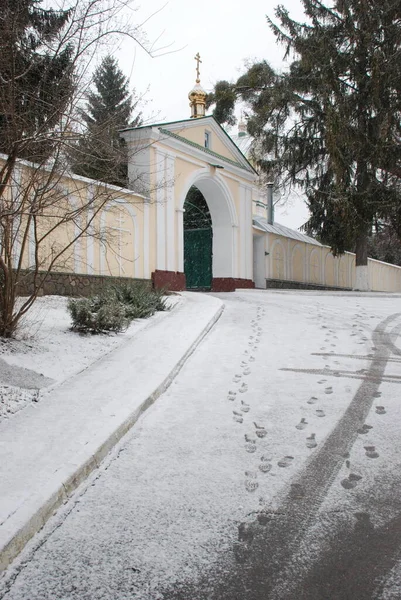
(197,95)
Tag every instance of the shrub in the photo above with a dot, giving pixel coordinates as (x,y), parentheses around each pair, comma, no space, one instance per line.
(97,314)
(115,308)
(139,300)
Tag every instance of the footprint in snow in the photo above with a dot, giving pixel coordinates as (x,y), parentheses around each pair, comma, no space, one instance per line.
(380,410)
(351,481)
(251,483)
(245,407)
(265,466)
(251,359)
(237,378)
(364,429)
(371,452)
(302,424)
(231,396)
(285,461)
(328,390)
(377,395)
(243,388)
(312,400)
(322,381)
(238,418)
(247,371)
(311,441)
(260,430)
(250,444)
(320,412)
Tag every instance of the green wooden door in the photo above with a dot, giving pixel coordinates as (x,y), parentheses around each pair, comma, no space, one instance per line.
(198,258)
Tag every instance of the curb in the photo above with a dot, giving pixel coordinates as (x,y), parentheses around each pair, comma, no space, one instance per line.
(72,480)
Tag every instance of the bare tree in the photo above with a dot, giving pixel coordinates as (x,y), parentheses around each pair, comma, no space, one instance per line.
(44,67)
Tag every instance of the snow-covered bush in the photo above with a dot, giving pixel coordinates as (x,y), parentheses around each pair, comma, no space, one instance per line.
(97,314)
(115,308)
(139,300)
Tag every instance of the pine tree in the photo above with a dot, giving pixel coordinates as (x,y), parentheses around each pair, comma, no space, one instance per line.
(101,153)
(36,80)
(333,120)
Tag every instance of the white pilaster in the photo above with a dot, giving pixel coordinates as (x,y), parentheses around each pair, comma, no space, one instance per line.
(16,225)
(160,212)
(235,266)
(180,239)
(248,235)
(170,214)
(90,248)
(31,246)
(146,270)
(242,232)
(78,266)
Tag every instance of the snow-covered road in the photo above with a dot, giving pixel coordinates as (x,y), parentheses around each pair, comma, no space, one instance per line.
(268,470)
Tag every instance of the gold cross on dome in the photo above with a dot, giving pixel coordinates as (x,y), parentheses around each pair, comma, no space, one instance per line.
(198,60)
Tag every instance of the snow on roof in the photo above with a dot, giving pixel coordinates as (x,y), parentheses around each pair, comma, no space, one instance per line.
(278,229)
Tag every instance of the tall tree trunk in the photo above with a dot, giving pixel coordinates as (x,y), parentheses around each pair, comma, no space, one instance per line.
(361,262)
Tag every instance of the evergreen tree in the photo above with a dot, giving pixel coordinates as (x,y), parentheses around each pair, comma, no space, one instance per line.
(332,121)
(101,153)
(384,244)
(36,80)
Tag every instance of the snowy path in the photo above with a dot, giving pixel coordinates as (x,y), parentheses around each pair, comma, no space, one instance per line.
(268,471)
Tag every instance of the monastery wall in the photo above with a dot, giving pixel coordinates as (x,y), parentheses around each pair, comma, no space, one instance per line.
(289,260)
(113,243)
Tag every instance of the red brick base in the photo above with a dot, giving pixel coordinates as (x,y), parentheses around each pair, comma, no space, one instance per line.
(169,280)
(229,284)
(175,282)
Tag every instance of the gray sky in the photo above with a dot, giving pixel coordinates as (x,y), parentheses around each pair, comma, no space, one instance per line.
(226,34)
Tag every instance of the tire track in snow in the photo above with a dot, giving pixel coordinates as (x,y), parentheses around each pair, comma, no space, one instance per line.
(266,546)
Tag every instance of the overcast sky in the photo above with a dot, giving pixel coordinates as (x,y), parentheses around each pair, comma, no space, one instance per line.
(226,34)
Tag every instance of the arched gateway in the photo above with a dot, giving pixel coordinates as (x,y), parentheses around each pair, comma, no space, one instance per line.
(205,243)
(198,241)
(170,160)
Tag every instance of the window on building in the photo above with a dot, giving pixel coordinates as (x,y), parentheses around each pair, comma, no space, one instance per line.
(207,139)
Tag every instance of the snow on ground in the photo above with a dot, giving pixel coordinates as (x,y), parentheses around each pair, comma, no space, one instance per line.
(173,513)
(46,352)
